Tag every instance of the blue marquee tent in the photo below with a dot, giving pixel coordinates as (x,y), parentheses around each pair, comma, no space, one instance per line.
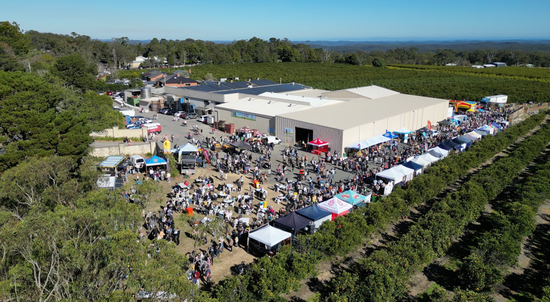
(292,222)
(316,214)
(155,161)
(412,165)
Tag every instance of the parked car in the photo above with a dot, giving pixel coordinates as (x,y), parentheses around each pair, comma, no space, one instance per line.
(190,116)
(180,114)
(203,118)
(109,92)
(166,111)
(271,139)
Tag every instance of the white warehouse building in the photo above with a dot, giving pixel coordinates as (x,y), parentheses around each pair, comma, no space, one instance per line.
(259,112)
(364,113)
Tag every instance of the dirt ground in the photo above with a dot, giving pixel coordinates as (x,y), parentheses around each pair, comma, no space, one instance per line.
(221,266)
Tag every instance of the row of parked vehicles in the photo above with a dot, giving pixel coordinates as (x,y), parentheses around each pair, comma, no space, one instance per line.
(180,114)
(141,122)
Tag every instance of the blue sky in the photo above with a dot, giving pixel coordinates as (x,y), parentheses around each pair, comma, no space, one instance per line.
(298,20)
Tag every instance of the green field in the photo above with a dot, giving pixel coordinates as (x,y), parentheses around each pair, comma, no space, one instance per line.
(459,83)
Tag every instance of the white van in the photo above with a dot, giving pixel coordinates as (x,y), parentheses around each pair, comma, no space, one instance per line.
(271,139)
(137,160)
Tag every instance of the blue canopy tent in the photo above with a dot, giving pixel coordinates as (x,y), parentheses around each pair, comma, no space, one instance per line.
(316,214)
(390,135)
(353,198)
(155,161)
(292,222)
(445,146)
(416,167)
(462,141)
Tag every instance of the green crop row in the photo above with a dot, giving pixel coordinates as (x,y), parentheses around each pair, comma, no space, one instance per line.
(383,275)
(347,233)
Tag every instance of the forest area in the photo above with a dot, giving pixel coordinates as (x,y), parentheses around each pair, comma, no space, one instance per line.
(62,239)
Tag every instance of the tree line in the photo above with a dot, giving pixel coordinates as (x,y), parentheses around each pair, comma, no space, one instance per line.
(41,49)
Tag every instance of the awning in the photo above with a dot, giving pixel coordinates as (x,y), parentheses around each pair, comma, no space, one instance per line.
(369,142)
(112,161)
(445,122)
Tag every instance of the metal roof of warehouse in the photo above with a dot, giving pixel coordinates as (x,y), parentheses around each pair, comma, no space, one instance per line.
(261,89)
(254,87)
(353,113)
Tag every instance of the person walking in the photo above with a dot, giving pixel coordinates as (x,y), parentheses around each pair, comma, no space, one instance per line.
(197,277)
(177,236)
(208,275)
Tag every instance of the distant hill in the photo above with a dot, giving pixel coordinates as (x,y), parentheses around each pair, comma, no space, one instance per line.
(430,46)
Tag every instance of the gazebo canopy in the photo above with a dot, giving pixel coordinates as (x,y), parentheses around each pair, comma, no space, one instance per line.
(335,206)
(314,212)
(438,152)
(412,165)
(426,157)
(188,148)
(481,132)
(269,235)
(293,221)
(318,143)
(244,129)
(155,161)
(398,174)
(351,197)
(389,135)
(403,131)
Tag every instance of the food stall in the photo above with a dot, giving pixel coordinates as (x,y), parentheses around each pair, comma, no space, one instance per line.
(318,146)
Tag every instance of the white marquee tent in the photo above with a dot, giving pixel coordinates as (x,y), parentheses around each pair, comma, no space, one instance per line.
(397,174)
(269,236)
(438,152)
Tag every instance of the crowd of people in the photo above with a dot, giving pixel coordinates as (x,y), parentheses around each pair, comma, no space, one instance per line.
(299,178)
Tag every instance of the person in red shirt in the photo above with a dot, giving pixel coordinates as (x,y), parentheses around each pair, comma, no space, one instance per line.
(197,277)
